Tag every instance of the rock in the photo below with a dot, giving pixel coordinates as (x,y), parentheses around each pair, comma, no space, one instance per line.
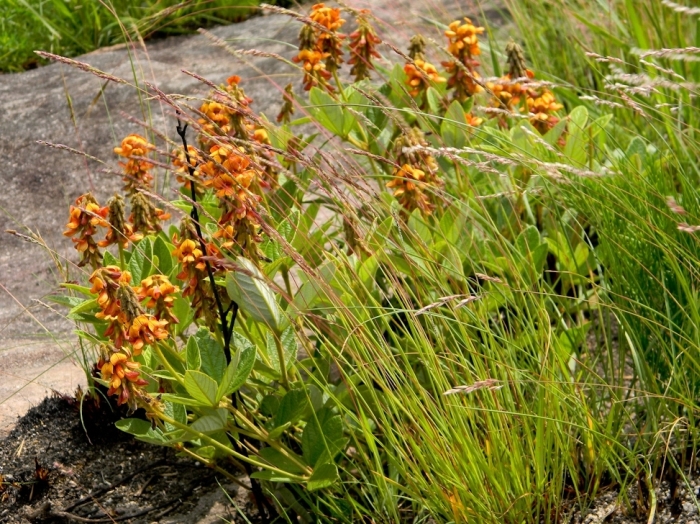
(63,105)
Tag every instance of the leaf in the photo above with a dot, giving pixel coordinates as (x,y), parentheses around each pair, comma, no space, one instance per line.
(201,387)
(193,358)
(211,353)
(237,371)
(289,348)
(454,127)
(528,240)
(417,224)
(292,407)
(139,263)
(321,437)
(163,251)
(249,289)
(75,287)
(272,476)
(211,422)
(323,476)
(281,461)
(108,259)
(83,307)
(141,429)
(175,411)
(330,113)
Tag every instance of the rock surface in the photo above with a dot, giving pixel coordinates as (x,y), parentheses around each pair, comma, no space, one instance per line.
(63,105)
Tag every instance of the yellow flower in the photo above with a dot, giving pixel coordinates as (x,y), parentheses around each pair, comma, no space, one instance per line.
(84,217)
(159,292)
(408,184)
(188,253)
(540,108)
(419,74)
(315,72)
(146,329)
(134,145)
(122,374)
(328,17)
(463,38)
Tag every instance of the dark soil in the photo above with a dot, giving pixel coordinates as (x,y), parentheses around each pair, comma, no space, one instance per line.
(55,469)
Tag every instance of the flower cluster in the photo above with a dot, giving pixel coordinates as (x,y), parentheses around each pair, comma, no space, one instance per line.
(137,168)
(419,75)
(416,178)
(159,294)
(121,372)
(234,180)
(363,42)
(194,273)
(514,87)
(120,306)
(84,218)
(463,45)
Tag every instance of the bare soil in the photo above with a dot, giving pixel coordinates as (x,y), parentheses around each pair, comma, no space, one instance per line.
(56,468)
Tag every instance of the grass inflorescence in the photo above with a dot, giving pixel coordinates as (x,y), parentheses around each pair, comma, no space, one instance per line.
(465,296)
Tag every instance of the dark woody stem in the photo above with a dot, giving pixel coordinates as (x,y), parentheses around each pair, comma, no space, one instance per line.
(226,328)
(264,507)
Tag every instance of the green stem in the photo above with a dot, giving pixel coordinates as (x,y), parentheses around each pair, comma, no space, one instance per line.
(226,449)
(283,364)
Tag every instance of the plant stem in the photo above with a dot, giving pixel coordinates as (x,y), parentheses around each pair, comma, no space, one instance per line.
(283,364)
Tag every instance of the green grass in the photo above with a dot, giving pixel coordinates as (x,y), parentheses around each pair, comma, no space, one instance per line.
(552,285)
(74,27)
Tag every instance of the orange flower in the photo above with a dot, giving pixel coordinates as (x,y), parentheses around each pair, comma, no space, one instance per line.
(84,217)
(463,45)
(472,120)
(189,254)
(105,283)
(540,107)
(217,121)
(463,38)
(328,42)
(420,73)
(328,17)
(136,170)
(146,329)
(182,172)
(315,72)
(122,374)
(362,47)
(159,292)
(134,145)
(408,184)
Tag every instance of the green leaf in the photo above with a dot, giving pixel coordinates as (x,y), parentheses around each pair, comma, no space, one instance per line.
(75,287)
(83,307)
(454,126)
(192,356)
(528,240)
(141,429)
(281,461)
(211,353)
(175,411)
(237,371)
(273,476)
(322,436)
(181,399)
(184,313)
(163,251)
(248,288)
(292,407)
(211,422)
(289,348)
(108,259)
(201,387)
(323,476)
(330,113)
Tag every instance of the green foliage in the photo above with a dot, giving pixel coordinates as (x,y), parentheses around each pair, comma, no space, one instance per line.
(488,342)
(72,27)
